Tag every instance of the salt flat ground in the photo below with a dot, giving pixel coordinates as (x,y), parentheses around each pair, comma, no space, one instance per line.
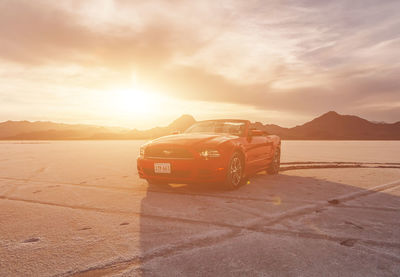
(78,208)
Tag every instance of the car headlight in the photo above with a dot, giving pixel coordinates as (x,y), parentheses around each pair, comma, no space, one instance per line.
(142,151)
(210,153)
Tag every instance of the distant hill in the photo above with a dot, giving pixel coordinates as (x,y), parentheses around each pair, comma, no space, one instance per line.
(329,126)
(333,126)
(40,130)
(25,130)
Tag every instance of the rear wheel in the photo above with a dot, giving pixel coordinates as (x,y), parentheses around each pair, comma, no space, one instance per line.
(234,176)
(276,162)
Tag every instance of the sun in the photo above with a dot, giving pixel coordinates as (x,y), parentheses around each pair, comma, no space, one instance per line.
(134,101)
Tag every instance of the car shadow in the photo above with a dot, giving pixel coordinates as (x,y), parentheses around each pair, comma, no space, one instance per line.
(177,218)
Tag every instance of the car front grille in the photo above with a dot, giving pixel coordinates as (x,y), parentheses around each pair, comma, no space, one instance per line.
(157,152)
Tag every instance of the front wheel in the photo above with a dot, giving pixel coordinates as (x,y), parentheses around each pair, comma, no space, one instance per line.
(234,176)
(276,162)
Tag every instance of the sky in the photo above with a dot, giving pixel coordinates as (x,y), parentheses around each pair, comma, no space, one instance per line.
(140,64)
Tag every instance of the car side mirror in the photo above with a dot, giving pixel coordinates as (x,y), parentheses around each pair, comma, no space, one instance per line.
(175,133)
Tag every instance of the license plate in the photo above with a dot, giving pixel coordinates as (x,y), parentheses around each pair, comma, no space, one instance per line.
(162,167)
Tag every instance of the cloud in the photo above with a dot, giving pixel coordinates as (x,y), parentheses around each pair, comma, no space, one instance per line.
(41,32)
(303,57)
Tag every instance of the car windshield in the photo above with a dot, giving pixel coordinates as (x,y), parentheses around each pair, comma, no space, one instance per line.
(218,127)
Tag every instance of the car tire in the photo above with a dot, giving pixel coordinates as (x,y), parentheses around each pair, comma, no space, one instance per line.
(235,172)
(273,168)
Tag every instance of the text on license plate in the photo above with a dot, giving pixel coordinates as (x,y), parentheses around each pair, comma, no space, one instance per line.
(162,167)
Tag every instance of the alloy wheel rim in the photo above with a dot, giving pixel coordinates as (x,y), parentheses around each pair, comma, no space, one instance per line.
(236,171)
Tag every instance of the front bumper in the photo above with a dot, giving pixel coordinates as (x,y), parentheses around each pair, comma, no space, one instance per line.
(184,171)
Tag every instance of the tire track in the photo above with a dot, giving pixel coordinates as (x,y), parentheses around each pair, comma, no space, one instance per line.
(235,230)
(366,163)
(332,201)
(119,212)
(322,166)
(118,266)
(384,209)
(132,190)
(302,210)
(299,211)
(121,265)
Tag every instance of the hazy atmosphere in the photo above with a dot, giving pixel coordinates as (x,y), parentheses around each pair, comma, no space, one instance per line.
(139,64)
(200,138)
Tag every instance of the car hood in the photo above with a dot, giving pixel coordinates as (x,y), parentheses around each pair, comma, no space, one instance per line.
(193,139)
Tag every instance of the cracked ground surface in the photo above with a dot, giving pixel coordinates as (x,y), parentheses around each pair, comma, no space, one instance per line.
(79,209)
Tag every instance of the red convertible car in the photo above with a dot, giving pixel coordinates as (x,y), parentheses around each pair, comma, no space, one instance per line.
(212,151)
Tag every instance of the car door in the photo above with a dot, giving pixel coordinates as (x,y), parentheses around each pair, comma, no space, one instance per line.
(258,152)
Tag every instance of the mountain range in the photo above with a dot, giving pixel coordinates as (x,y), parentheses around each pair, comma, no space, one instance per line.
(334,126)
(329,126)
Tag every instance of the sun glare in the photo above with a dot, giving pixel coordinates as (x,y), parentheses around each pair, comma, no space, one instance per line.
(133,101)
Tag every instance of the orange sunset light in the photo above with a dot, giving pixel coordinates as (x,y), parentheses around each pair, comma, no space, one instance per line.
(200,138)
(144,63)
